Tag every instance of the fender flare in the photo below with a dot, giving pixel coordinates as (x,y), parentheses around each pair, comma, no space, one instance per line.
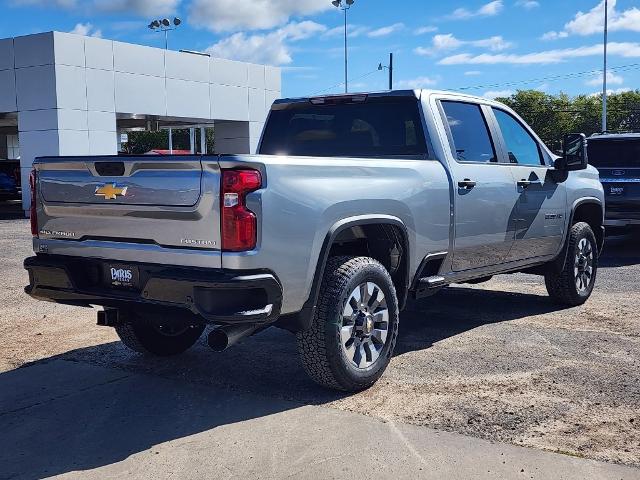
(302,319)
(562,255)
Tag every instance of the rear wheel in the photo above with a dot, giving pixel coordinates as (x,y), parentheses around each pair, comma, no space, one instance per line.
(574,284)
(151,334)
(355,327)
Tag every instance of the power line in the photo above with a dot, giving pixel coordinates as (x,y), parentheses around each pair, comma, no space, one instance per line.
(620,68)
(342,83)
(566,76)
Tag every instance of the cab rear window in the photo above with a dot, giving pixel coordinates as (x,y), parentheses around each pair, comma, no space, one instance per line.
(623,153)
(371,129)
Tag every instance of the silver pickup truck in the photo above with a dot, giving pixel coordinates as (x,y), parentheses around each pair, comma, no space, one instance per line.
(354,204)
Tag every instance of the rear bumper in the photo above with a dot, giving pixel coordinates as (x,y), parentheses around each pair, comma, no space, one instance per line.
(219,297)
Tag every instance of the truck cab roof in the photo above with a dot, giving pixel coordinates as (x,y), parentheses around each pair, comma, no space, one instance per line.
(361,96)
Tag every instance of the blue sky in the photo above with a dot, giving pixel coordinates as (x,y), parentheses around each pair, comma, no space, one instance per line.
(484,47)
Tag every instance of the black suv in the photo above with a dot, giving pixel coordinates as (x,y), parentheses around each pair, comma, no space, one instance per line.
(617,158)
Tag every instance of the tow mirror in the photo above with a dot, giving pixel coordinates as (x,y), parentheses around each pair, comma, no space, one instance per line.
(574,153)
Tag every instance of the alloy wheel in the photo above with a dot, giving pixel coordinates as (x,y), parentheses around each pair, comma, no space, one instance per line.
(365,325)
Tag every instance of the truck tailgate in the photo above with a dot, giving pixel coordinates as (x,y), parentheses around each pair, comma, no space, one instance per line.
(164,202)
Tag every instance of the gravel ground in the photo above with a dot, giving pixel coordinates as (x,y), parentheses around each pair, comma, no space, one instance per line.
(497,360)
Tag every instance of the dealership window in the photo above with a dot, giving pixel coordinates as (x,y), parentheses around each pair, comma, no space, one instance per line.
(13,147)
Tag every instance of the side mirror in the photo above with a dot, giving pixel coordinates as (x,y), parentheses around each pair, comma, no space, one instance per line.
(574,153)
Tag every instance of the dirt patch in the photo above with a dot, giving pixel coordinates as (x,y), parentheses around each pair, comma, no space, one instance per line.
(497,360)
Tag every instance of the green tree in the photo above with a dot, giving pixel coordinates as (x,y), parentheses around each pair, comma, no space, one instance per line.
(548,115)
(553,116)
(141,142)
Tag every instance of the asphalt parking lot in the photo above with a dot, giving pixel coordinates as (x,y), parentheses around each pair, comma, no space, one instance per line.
(496,361)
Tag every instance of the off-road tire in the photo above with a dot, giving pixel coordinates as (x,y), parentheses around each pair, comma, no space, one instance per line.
(320,348)
(141,334)
(561,285)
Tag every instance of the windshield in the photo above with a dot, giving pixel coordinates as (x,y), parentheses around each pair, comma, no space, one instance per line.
(374,128)
(623,153)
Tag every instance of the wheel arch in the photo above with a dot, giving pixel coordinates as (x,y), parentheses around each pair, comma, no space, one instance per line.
(346,230)
(590,211)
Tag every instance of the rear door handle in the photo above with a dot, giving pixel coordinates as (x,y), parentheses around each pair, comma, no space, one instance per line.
(466,184)
(527,183)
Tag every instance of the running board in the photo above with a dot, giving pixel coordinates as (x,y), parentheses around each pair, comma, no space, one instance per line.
(429,285)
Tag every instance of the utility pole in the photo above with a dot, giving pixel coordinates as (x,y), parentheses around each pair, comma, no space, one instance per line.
(604,74)
(390,68)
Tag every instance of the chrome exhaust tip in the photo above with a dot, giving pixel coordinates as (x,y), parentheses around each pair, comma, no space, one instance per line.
(223,337)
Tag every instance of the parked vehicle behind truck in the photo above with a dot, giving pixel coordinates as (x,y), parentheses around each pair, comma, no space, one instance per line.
(617,158)
(354,204)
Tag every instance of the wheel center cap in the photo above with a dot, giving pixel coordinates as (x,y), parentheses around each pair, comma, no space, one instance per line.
(367,327)
(582,262)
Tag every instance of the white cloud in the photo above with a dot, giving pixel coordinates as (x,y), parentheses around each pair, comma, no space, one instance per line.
(493,94)
(424,30)
(611,92)
(448,42)
(227,15)
(384,31)
(271,48)
(612,79)
(140,7)
(353,31)
(302,30)
(472,73)
(592,21)
(87,30)
(487,10)
(419,82)
(553,35)
(622,49)
(362,86)
(268,49)
(528,4)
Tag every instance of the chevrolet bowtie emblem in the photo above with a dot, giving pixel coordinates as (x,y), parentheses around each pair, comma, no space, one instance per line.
(110,191)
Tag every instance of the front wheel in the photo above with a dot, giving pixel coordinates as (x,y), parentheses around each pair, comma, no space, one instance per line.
(355,326)
(573,285)
(156,335)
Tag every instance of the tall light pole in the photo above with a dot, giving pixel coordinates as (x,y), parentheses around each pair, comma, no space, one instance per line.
(165,26)
(345,7)
(604,74)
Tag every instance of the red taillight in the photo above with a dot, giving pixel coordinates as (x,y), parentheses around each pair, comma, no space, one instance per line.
(33,214)
(238,223)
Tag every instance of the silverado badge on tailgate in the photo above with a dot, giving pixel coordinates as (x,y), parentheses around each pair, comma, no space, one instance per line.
(110,191)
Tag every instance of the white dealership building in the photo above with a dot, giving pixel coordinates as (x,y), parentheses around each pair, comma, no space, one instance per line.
(66,94)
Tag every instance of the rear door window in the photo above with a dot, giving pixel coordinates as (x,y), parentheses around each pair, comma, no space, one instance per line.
(374,128)
(469,131)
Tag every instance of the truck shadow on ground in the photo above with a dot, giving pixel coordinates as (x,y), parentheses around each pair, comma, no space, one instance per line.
(99,405)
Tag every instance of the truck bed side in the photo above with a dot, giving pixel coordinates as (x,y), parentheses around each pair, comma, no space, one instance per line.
(304,198)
